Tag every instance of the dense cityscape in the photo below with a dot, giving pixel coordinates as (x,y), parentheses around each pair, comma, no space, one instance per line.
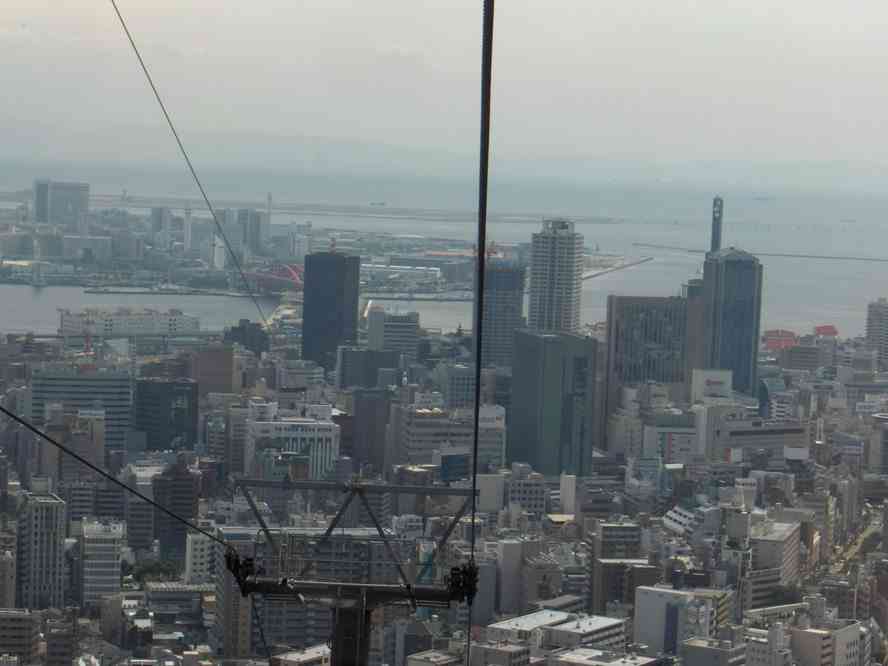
(676,484)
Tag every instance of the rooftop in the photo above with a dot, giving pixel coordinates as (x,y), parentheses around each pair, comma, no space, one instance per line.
(313,652)
(773,531)
(531,621)
(435,657)
(176,586)
(589,624)
(593,657)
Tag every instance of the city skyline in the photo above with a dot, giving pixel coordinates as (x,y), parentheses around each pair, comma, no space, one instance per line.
(291,374)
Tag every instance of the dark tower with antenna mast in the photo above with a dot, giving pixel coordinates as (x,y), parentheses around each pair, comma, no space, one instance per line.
(716,240)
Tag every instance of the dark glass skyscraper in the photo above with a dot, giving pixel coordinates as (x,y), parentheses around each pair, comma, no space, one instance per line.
(330,305)
(732,295)
(646,341)
(166,409)
(503,311)
(553,402)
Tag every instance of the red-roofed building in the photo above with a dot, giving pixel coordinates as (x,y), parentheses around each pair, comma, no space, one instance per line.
(827,330)
(777,339)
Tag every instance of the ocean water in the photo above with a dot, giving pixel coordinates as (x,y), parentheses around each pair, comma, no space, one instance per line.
(799,293)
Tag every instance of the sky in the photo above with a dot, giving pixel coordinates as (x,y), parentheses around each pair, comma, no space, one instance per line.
(578,86)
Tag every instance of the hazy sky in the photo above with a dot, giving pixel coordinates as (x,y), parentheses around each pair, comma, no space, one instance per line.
(636,80)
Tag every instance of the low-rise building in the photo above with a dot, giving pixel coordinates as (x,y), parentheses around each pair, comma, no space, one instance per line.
(605,633)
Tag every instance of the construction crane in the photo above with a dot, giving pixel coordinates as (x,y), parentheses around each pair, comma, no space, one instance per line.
(353,603)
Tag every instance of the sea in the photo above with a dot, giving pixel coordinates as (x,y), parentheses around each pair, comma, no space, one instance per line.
(798,294)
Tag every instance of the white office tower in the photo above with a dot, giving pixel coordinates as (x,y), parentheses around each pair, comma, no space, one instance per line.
(300,240)
(314,440)
(393,331)
(40,582)
(100,551)
(217,253)
(199,556)
(556,277)
(186,228)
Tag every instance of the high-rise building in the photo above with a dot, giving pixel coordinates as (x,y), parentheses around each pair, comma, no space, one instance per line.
(458,384)
(315,440)
(615,549)
(695,329)
(76,389)
(666,617)
(41,552)
(645,342)
(64,204)
(330,308)
(255,225)
(371,417)
(100,554)
(138,513)
(360,367)
(214,368)
(553,402)
(199,558)
(503,311)
(732,293)
(166,410)
(393,331)
(556,277)
(300,240)
(178,489)
(877,329)
(715,242)
(85,436)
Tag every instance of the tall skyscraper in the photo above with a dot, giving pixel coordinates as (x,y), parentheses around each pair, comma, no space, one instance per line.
(100,554)
(715,242)
(877,329)
(41,552)
(371,417)
(732,293)
(695,348)
(178,489)
(503,311)
(556,277)
(553,402)
(255,225)
(75,389)
(64,204)
(166,409)
(300,241)
(86,436)
(330,307)
(645,342)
